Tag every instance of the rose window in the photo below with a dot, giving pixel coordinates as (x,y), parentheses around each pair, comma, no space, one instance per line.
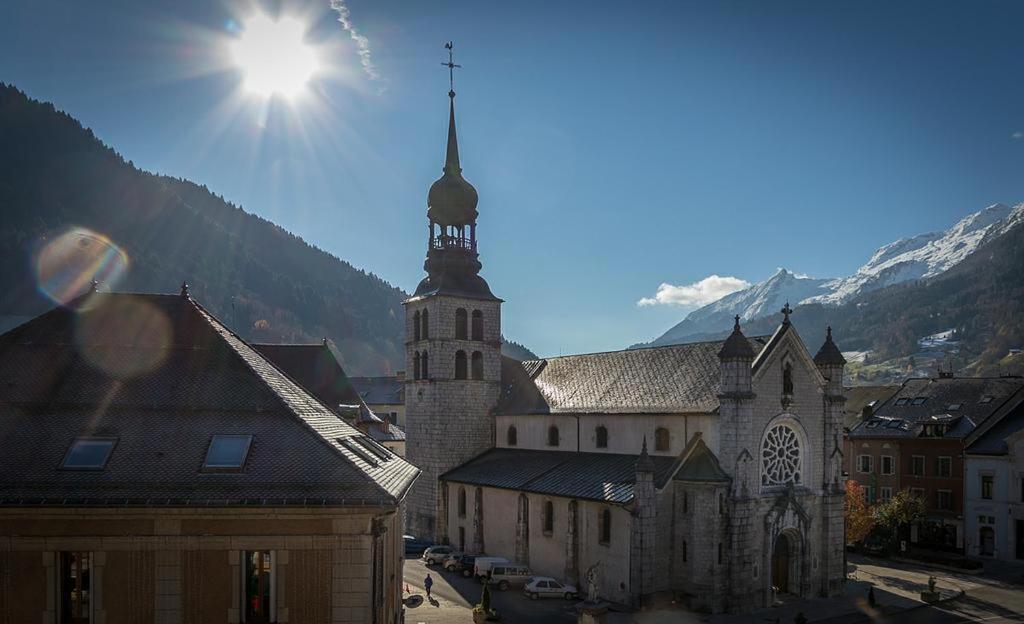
(780,457)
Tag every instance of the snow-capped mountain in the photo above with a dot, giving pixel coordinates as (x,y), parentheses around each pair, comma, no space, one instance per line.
(761,299)
(923,256)
(919,257)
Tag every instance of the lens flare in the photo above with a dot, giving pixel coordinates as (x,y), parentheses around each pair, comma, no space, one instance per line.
(123,336)
(66,265)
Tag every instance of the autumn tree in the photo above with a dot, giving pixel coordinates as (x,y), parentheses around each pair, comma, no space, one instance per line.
(860,517)
(902,509)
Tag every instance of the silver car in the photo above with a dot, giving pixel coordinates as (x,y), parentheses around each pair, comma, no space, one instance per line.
(547,587)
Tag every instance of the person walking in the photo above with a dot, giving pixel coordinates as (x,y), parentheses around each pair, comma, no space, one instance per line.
(428,583)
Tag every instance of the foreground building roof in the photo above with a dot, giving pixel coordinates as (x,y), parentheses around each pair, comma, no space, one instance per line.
(160,376)
(655,380)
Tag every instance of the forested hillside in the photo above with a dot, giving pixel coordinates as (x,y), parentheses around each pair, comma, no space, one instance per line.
(265,283)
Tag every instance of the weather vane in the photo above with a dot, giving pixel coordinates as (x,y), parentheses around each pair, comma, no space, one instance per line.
(451,69)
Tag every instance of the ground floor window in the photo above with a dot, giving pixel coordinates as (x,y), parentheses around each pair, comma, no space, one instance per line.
(259,587)
(75,587)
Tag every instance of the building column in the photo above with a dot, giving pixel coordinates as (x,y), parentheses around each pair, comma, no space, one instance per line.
(50,567)
(478,520)
(572,545)
(523,531)
(167,601)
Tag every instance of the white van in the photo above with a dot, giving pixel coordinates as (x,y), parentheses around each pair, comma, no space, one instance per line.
(505,575)
(482,566)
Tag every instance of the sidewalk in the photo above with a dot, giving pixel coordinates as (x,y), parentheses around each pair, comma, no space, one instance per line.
(897,586)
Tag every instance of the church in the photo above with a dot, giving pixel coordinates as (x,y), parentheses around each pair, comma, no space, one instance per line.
(708,473)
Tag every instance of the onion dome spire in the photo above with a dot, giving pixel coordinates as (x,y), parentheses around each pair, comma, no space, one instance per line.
(736,346)
(829,354)
(452,200)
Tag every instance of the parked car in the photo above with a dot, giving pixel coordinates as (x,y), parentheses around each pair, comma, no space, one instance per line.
(415,546)
(436,554)
(546,587)
(463,564)
(504,575)
(482,566)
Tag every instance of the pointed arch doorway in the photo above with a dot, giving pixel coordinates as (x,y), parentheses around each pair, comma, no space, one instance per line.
(780,564)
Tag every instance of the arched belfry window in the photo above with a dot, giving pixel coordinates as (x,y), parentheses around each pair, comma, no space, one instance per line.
(460,364)
(478,325)
(781,456)
(787,379)
(552,436)
(416,325)
(425,332)
(601,437)
(461,322)
(512,437)
(661,439)
(477,362)
(424,366)
(462,502)
(549,517)
(416,366)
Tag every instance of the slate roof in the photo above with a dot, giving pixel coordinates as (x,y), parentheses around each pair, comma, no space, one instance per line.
(962,402)
(655,380)
(602,477)
(701,465)
(380,390)
(162,375)
(859,397)
(317,367)
(993,441)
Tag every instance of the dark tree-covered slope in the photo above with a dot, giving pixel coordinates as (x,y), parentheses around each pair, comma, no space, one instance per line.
(265,283)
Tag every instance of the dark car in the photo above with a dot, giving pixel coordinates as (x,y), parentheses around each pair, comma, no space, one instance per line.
(415,546)
(463,564)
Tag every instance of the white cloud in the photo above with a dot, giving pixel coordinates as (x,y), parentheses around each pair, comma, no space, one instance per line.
(362,43)
(1018,135)
(703,292)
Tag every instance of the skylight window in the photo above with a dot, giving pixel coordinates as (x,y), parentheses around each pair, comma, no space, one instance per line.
(360,452)
(954,406)
(374,447)
(902,401)
(985,399)
(88,453)
(919,400)
(893,424)
(227,451)
(873,423)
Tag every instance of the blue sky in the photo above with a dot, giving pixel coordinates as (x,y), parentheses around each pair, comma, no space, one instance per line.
(615,146)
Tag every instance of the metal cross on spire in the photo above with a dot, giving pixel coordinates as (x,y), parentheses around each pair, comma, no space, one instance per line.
(451,69)
(786,311)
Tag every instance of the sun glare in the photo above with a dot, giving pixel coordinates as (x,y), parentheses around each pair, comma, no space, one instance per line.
(273,56)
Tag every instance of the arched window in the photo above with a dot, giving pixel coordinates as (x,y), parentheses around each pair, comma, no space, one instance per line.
(462,502)
(684,550)
(425,366)
(461,322)
(606,527)
(416,366)
(601,433)
(512,437)
(477,361)
(416,325)
(425,333)
(460,364)
(549,517)
(787,379)
(661,439)
(552,436)
(781,456)
(478,325)
(686,502)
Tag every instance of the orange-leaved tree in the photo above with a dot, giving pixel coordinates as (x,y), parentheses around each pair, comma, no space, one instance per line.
(860,517)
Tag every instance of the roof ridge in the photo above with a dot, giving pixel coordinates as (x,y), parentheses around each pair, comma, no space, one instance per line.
(646,348)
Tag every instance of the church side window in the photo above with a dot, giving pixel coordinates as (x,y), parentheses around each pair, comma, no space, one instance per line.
(425,333)
(512,437)
(462,502)
(477,362)
(460,365)
(684,550)
(552,436)
(425,366)
(416,325)
(606,527)
(601,433)
(549,517)
(781,456)
(416,366)
(478,325)
(787,379)
(461,324)
(661,439)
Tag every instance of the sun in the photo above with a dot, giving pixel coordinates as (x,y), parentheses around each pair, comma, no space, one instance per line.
(274,56)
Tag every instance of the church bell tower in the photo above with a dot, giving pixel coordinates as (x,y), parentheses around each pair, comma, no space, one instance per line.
(452,343)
